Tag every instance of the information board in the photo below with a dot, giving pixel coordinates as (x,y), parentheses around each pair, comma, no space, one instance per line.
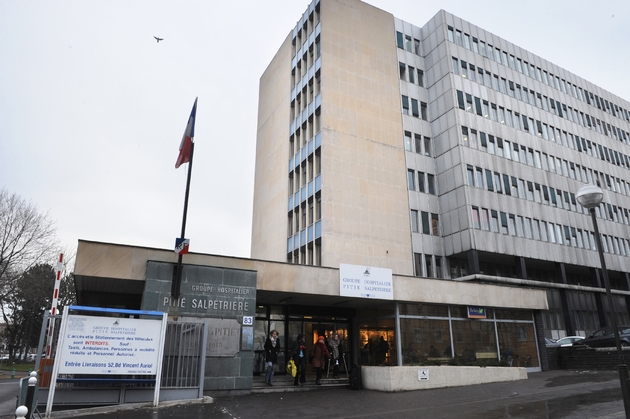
(110,345)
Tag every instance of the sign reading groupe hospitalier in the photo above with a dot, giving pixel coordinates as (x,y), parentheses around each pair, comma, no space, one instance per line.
(110,345)
(365,282)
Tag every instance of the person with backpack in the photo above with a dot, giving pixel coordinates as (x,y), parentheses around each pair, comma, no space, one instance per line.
(321,355)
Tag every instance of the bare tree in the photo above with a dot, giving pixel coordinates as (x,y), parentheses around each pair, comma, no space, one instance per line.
(27,237)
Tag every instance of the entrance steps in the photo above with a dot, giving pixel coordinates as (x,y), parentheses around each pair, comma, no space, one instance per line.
(284,383)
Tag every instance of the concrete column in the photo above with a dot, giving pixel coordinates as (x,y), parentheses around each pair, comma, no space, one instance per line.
(540,335)
(567,310)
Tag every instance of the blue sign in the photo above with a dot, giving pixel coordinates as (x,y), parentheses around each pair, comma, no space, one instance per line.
(476,312)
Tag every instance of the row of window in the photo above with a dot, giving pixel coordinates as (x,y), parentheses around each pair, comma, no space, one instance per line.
(414,75)
(304,203)
(430,223)
(426,182)
(530,70)
(419,145)
(529,96)
(305,27)
(519,188)
(408,43)
(531,228)
(522,122)
(417,111)
(423,265)
(527,155)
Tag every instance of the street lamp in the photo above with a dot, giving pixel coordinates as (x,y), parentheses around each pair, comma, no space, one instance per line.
(590,196)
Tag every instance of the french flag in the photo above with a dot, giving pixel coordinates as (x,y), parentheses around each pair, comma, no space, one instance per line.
(185,148)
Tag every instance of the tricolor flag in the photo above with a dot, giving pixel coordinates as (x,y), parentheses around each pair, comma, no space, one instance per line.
(186,145)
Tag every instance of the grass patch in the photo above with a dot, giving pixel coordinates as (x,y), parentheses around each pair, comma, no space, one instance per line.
(24,367)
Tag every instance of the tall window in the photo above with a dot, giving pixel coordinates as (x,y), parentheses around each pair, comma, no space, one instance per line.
(427,146)
(414,221)
(431,184)
(435,225)
(423,111)
(418,143)
(408,141)
(411,184)
(426,229)
(420,78)
(476,220)
(421,182)
(414,108)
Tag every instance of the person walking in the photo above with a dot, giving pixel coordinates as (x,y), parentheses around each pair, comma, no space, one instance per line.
(336,352)
(272,348)
(299,357)
(321,356)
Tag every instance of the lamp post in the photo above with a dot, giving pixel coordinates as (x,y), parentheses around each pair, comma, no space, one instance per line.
(590,196)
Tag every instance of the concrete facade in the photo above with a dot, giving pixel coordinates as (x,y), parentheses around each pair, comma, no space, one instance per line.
(441,151)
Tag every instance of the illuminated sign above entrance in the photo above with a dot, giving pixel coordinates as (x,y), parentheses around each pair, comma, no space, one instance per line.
(365,282)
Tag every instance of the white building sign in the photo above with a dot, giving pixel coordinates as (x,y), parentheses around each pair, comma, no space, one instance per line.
(365,282)
(110,345)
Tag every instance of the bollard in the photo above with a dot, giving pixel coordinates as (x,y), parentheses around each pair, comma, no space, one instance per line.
(13,373)
(20,412)
(30,393)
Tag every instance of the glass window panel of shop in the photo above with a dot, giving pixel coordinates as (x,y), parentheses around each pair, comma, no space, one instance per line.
(474,340)
(517,344)
(424,340)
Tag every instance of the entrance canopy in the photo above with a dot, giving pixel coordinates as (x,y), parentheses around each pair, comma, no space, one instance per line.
(114,275)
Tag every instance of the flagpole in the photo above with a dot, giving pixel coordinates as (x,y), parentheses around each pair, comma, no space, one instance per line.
(188,138)
(177,273)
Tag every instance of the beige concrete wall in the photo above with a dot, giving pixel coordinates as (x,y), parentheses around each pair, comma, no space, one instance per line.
(107,260)
(271,190)
(365,209)
(391,379)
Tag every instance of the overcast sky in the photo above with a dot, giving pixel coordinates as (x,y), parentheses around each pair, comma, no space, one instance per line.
(92,108)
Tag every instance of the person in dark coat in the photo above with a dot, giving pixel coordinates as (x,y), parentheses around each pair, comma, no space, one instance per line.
(299,357)
(321,356)
(272,348)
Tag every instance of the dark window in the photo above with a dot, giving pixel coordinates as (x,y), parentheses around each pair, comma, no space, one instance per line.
(460,99)
(426,228)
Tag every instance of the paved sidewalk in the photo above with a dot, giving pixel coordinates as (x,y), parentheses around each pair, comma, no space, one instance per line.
(549,394)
